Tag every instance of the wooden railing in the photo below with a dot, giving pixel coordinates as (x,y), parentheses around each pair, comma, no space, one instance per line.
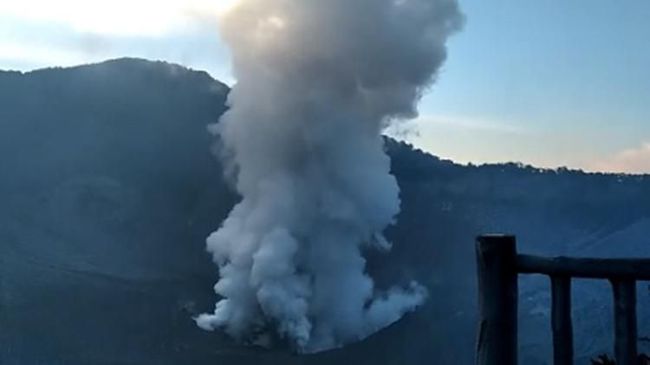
(499,265)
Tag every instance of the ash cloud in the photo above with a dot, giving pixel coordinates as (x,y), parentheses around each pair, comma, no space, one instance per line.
(317,82)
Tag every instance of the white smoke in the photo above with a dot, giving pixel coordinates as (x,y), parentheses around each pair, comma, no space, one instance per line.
(318,80)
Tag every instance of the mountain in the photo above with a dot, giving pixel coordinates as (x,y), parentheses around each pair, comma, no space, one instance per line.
(109,188)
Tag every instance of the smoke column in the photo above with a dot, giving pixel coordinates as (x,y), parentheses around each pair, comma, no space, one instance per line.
(317,83)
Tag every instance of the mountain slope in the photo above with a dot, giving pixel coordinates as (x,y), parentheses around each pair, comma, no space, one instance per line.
(109,190)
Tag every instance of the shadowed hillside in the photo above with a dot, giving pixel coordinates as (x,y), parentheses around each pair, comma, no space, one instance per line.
(109,189)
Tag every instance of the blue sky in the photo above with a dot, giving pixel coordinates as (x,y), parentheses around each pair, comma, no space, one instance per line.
(549,83)
(546,82)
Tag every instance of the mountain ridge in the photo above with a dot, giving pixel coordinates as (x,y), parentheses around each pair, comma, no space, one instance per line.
(133,62)
(109,189)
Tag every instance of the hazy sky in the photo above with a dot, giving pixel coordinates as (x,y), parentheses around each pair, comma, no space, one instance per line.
(543,82)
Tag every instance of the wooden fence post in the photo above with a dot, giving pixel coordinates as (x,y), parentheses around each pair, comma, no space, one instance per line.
(561,320)
(625,326)
(498,297)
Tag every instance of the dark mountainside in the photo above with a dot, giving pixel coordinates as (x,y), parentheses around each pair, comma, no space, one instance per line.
(109,189)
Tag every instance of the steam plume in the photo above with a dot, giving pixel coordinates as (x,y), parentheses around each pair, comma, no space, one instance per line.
(318,80)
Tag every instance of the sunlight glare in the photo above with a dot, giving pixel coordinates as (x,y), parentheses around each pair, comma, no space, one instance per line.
(224,6)
(116,17)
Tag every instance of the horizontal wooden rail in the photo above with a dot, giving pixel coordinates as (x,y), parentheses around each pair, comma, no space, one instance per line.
(587,268)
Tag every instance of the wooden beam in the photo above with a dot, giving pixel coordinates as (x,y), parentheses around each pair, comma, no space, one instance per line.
(498,296)
(638,269)
(625,343)
(561,320)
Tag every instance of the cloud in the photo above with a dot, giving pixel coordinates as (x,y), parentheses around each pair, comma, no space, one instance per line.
(152,18)
(435,123)
(429,126)
(633,160)
(27,44)
(469,123)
